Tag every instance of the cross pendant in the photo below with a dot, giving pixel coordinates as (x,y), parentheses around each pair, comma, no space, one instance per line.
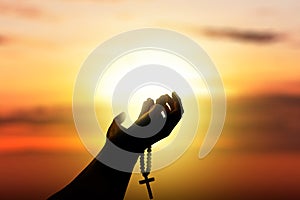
(147,182)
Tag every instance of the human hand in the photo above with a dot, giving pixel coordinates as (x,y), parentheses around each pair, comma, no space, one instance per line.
(146,131)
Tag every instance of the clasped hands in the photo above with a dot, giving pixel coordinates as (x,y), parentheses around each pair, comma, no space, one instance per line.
(167,110)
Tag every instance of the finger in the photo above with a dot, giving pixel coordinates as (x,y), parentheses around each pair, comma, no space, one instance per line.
(146,106)
(170,102)
(164,100)
(177,102)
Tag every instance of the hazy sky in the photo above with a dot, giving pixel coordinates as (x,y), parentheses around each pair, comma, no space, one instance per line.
(254,44)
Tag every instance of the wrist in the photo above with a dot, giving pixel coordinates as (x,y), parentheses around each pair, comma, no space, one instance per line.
(117,158)
(129,140)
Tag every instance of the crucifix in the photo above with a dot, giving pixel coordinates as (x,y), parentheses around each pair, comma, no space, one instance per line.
(147,182)
(146,171)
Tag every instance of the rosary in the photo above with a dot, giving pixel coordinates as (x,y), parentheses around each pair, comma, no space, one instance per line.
(146,171)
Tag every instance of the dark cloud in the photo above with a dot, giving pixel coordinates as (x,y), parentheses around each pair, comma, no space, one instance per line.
(243,35)
(20,8)
(36,116)
(39,151)
(264,124)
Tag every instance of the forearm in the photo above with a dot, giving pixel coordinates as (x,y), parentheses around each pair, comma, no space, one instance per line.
(100,180)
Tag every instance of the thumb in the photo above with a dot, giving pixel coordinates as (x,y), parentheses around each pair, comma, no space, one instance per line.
(116,126)
(119,119)
(147,105)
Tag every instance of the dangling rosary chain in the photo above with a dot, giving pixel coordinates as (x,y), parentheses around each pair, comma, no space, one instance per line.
(146,171)
(148,161)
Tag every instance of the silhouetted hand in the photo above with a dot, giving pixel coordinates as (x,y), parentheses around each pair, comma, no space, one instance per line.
(98,180)
(144,132)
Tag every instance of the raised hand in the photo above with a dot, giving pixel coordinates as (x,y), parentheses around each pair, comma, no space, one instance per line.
(155,122)
(98,180)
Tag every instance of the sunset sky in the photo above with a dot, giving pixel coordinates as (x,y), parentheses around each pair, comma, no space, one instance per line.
(255,46)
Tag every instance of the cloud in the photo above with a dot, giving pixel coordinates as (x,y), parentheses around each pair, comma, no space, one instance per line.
(260,124)
(267,123)
(21,9)
(252,36)
(4,39)
(36,116)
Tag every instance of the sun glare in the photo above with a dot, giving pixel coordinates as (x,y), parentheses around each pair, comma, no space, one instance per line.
(122,66)
(140,95)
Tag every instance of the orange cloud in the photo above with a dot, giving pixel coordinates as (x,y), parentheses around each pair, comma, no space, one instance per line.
(4,40)
(37,116)
(267,123)
(20,9)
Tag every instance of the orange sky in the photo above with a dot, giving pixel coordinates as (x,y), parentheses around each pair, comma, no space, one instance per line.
(43,44)
(255,45)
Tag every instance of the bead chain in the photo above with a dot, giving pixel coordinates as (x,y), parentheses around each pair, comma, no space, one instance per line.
(142,161)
